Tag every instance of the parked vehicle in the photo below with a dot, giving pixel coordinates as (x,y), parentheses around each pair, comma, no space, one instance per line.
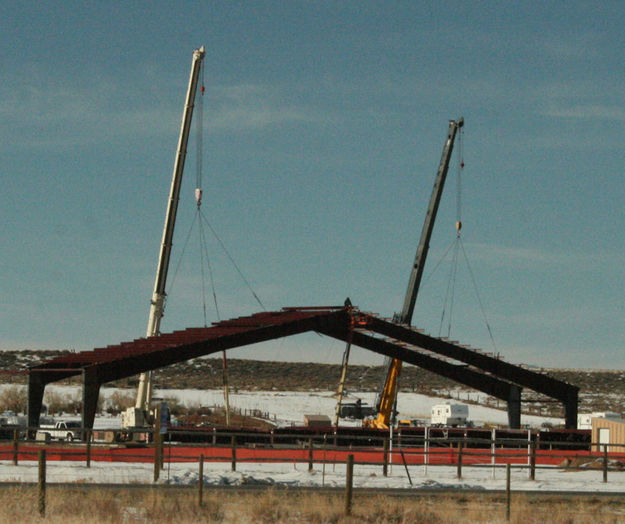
(450,414)
(356,410)
(10,422)
(64,430)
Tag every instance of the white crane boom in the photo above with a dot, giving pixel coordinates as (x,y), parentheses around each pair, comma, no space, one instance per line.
(144,391)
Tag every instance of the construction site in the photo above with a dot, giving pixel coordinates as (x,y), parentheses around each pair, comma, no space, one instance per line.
(312,262)
(394,338)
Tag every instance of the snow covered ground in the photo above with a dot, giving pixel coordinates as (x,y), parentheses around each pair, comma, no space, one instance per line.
(289,408)
(332,475)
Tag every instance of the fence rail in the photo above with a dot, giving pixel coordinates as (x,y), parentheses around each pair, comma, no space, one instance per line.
(240,446)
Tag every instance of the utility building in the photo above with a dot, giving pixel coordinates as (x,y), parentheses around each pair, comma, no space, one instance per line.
(608,432)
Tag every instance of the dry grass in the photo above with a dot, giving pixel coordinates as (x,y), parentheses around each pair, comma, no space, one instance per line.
(145,505)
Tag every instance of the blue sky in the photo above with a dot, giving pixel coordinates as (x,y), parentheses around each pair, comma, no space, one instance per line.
(323,128)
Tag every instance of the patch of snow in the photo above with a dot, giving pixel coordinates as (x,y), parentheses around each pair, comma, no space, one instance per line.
(289,407)
(330,475)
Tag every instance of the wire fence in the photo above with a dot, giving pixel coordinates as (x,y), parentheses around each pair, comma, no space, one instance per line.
(179,446)
(147,457)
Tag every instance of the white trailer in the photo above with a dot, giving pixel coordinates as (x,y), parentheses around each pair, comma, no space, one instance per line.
(584,420)
(450,414)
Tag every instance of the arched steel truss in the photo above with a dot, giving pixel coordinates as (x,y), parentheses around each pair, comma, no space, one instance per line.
(470,367)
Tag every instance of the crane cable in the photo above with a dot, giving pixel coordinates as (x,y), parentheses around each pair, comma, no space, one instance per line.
(200,217)
(461,244)
(479,300)
(453,272)
(202,239)
(198,199)
(458,246)
(232,261)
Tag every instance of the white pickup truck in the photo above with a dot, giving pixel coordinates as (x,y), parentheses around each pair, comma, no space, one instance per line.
(65,430)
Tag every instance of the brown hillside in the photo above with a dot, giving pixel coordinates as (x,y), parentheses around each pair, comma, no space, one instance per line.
(599,390)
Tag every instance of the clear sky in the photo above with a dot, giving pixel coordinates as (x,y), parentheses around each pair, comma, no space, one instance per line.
(323,128)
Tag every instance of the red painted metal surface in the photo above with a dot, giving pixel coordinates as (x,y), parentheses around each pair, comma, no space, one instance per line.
(175,339)
(414,456)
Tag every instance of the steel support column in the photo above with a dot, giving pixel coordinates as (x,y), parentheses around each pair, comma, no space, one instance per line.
(570,410)
(36,387)
(514,407)
(90,394)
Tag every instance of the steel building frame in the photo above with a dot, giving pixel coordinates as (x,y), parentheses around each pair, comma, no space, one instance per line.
(476,370)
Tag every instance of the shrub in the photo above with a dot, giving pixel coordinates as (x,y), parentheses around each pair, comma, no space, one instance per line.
(59,403)
(13,398)
(56,402)
(118,402)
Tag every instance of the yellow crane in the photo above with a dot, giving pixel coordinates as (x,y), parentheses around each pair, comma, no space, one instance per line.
(388,395)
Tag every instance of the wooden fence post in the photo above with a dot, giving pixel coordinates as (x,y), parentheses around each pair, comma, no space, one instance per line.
(157,460)
(201,483)
(323,469)
(161,451)
(15,446)
(310,454)
(533,461)
(42,482)
(459,470)
(156,438)
(233,442)
(349,482)
(89,436)
(508,495)
(605,463)
(493,450)
(385,458)
(426,450)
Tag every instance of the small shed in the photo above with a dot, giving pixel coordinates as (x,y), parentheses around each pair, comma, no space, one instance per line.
(608,432)
(317,421)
